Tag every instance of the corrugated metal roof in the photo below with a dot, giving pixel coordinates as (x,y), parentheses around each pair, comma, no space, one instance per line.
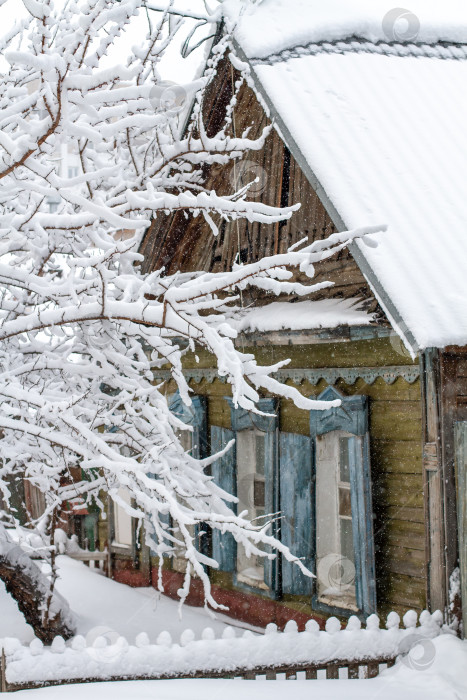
(265,27)
(385,136)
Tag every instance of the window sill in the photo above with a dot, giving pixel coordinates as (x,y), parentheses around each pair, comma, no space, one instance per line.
(339,602)
(252,582)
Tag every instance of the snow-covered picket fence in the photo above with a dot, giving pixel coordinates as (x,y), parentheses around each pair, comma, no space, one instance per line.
(248,655)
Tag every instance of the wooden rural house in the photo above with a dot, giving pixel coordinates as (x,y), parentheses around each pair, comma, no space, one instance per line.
(367,131)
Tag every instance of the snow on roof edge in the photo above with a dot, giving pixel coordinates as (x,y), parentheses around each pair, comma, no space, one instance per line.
(271,26)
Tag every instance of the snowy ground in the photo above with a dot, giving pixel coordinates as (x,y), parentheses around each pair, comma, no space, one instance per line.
(101,605)
(444,679)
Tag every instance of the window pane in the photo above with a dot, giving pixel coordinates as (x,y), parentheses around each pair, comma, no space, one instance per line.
(123,521)
(344,502)
(259,492)
(344,459)
(251,495)
(335,555)
(259,445)
(347,549)
(186,439)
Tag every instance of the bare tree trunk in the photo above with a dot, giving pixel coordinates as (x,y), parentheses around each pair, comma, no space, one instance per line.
(48,614)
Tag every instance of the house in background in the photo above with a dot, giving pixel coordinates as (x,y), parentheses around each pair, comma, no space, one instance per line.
(368,130)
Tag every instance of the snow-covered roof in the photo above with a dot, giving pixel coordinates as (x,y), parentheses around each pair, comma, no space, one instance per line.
(303,315)
(270,26)
(378,125)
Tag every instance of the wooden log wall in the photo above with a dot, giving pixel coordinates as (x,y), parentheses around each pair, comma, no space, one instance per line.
(185,243)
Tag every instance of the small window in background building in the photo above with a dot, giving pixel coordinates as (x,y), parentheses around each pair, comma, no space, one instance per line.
(35,500)
(73,171)
(251,494)
(53,206)
(334,534)
(123,527)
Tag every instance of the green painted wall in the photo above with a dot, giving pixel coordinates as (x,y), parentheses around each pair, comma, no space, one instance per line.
(396,437)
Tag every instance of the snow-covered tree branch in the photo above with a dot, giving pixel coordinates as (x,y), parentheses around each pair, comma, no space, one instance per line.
(81,329)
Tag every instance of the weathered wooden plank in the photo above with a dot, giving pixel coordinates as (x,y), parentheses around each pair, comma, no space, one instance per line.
(3,684)
(219,412)
(373,669)
(448,369)
(396,456)
(391,421)
(376,352)
(401,490)
(461,478)
(396,512)
(332,671)
(293,419)
(400,420)
(461,385)
(430,374)
(406,590)
(399,390)
(399,533)
(409,562)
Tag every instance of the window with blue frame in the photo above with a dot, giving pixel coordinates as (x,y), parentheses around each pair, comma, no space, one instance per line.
(343,518)
(195,443)
(249,471)
(325,502)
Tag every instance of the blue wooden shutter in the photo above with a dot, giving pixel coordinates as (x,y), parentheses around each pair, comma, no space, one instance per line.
(296,500)
(224,547)
(271,504)
(362,522)
(194,415)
